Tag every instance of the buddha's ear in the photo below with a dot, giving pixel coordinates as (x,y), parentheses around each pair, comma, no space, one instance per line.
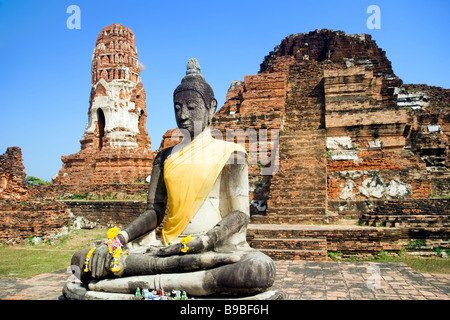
(213,107)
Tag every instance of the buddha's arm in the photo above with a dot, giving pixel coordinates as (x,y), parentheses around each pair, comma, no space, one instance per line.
(146,222)
(156,205)
(235,221)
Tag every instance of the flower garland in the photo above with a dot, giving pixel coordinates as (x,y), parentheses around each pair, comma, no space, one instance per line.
(114,248)
(184,241)
(86,262)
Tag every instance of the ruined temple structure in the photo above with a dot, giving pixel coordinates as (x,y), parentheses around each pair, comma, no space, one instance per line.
(22,217)
(115,147)
(13,184)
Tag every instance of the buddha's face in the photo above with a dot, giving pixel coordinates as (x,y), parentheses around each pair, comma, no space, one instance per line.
(191,113)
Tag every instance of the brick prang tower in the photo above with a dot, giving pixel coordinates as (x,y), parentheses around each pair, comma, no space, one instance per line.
(115,147)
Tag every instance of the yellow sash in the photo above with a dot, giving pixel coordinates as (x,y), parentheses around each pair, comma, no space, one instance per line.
(189,175)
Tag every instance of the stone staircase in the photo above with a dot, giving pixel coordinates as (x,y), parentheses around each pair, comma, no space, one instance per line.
(297,196)
(286,242)
(293,249)
(419,213)
(424,222)
(298,190)
(312,242)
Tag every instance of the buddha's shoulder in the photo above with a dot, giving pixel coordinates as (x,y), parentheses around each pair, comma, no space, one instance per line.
(238,154)
(162,155)
(231,146)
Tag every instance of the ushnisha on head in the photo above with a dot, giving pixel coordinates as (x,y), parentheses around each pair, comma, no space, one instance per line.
(194,101)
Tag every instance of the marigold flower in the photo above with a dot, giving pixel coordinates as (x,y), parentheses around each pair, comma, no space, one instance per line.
(185,249)
(115,269)
(112,233)
(185,240)
(117,252)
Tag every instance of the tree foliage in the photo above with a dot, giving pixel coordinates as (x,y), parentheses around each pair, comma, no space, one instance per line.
(34,181)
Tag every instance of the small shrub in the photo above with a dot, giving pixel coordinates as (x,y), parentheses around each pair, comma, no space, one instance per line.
(416,244)
(334,255)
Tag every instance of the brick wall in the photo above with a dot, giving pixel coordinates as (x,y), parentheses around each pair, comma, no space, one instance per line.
(440,184)
(110,165)
(94,192)
(107,213)
(19,221)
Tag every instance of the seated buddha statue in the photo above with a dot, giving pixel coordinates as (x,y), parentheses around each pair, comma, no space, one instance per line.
(201,185)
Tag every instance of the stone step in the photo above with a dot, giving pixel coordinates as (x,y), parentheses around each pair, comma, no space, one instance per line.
(298,183)
(308,160)
(285,177)
(427,233)
(308,255)
(298,196)
(292,219)
(301,145)
(290,244)
(303,133)
(306,166)
(295,202)
(344,238)
(406,207)
(294,205)
(304,112)
(310,155)
(307,177)
(304,190)
(406,220)
(295,210)
(305,141)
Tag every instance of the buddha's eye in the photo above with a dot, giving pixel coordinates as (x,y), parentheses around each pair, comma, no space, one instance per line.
(177,107)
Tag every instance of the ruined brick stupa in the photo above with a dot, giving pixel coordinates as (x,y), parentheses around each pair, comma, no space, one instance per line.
(115,147)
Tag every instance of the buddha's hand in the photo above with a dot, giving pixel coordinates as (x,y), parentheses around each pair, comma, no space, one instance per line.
(152,250)
(233,223)
(171,250)
(192,245)
(100,261)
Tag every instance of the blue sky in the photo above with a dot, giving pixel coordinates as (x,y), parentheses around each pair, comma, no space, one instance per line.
(45,67)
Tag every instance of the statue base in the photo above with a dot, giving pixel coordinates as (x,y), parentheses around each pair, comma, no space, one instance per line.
(80,291)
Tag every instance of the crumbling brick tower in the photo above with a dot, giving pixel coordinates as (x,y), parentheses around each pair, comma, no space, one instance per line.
(13,184)
(115,147)
(352,139)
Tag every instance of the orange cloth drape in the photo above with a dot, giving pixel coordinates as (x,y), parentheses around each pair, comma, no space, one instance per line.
(189,175)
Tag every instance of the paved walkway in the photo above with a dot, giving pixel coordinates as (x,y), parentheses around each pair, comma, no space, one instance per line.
(301,280)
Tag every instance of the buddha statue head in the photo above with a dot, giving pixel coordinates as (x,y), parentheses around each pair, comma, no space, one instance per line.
(194,101)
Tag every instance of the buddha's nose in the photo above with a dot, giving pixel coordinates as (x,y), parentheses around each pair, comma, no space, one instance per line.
(184,116)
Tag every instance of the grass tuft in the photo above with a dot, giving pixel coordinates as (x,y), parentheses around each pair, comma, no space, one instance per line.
(29,260)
